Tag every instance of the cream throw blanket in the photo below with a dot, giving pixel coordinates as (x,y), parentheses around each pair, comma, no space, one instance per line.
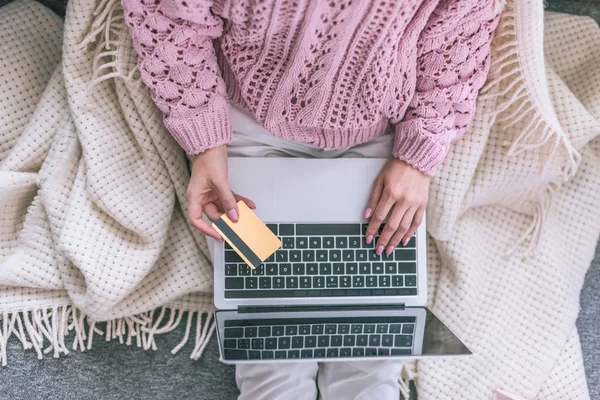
(92,200)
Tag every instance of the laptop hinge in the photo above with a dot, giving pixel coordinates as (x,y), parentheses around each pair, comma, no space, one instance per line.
(330,307)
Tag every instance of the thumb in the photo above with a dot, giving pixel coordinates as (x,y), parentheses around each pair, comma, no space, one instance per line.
(228,202)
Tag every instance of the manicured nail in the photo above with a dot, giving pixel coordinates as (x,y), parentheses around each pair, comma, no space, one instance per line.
(389,250)
(367,213)
(405,241)
(220,239)
(379,250)
(232,214)
(369,239)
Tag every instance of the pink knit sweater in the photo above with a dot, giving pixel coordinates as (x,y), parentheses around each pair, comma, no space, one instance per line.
(332,73)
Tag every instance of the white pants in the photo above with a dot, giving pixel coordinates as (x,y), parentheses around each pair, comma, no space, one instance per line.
(298,381)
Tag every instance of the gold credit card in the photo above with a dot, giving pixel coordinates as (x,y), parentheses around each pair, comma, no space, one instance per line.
(249,236)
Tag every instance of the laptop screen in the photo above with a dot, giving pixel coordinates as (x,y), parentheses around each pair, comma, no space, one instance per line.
(330,334)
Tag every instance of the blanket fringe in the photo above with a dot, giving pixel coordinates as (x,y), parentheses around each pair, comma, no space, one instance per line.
(506,84)
(45,330)
(407,374)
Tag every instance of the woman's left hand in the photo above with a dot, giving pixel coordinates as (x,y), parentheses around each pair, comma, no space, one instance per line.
(402,192)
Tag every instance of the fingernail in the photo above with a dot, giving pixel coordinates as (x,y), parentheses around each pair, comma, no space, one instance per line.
(405,241)
(367,213)
(232,214)
(220,239)
(379,250)
(389,250)
(369,239)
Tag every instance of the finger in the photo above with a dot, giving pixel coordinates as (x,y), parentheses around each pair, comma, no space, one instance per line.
(405,225)
(416,222)
(212,211)
(381,211)
(227,201)
(391,227)
(246,200)
(195,219)
(374,198)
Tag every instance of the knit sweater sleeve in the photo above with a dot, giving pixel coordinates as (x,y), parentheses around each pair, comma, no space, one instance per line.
(178,63)
(453,58)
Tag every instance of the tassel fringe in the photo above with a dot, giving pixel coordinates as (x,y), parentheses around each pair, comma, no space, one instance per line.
(45,330)
(506,84)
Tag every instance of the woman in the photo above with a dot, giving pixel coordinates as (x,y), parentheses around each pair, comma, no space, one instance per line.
(333,74)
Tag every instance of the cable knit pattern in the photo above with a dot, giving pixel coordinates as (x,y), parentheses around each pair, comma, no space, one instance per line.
(329,73)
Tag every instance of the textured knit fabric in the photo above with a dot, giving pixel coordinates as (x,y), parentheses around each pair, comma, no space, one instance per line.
(92,203)
(329,73)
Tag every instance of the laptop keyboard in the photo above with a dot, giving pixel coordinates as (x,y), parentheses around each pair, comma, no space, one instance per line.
(318,338)
(323,260)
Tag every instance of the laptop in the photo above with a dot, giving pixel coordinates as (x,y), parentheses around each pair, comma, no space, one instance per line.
(325,295)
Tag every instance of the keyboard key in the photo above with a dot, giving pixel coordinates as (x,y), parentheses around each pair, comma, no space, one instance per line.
(234,283)
(328,243)
(373,256)
(411,243)
(410,280)
(264,282)
(335,255)
(332,281)
(315,242)
(304,329)
(231,269)
(358,281)
(349,340)
(348,255)
(381,328)
(387,340)
(291,330)
(354,242)
(250,332)
(286,230)
(297,342)
(383,352)
(345,352)
(345,282)
(390,268)
(337,340)
(325,269)
(295,255)
(306,354)
(258,344)
(270,343)
(299,268)
(305,282)
(405,254)
(232,257)
(251,282)
(322,255)
(374,340)
(318,282)
(285,269)
(243,343)
(244,269)
(302,242)
(356,328)
(343,329)
(362,255)
(318,329)
(280,354)
(271,258)
(287,242)
(264,331)
(234,332)
(319,353)
(401,352)
(370,352)
(310,341)
(408,328)
(278,282)
(293,354)
(278,330)
(377,268)
(327,229)
(332,352)
(407,268)
(330,329)
(397,281)
(386,257)
(362,340)
(291,282)
(259,270)
(395,328)
(231,354)
(371,281)
(281,256)
(341,242)
(273,228)
(384,281)
(284,342)
(230,343)
(308,255)
(402,340)
(323,341)
(351,268)
(338,268)
(267,355)
(369,328)
(271,269)
(312,269)
(364,268)
(358,352)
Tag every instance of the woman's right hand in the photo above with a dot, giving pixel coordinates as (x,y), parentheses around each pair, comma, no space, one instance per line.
(209,192)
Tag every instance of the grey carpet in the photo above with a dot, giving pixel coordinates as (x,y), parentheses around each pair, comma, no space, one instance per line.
(114,371)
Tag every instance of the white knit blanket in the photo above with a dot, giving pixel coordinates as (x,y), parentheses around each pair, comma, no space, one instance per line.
(92,201)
